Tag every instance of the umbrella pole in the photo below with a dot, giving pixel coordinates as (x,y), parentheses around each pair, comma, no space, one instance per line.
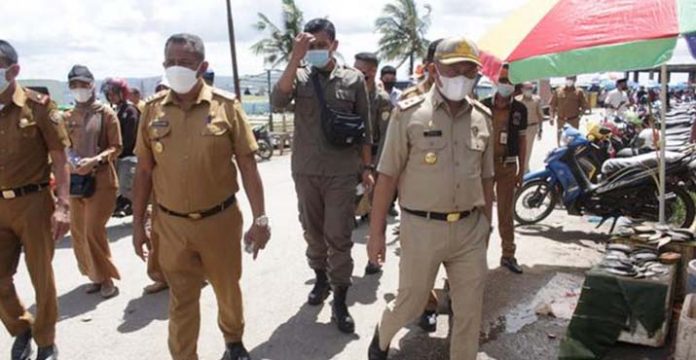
(663,140)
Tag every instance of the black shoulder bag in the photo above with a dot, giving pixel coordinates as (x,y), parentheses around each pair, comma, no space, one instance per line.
(84,186)
(340,129)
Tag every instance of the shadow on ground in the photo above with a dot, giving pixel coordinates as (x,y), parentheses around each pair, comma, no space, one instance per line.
(140,312)
(302,337)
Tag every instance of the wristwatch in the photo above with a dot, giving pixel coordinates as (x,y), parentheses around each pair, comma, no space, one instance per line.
(261,221)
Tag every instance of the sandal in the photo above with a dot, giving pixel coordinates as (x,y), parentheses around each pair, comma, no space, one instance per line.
(108,291)
(155,287)
(93,288)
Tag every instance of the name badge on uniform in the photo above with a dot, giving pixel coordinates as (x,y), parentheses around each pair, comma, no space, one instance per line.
(385,115)
(23,123)
(432,133)
(160,123)
(503,138)
(158,147)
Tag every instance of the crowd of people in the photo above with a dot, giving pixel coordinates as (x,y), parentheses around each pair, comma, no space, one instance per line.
(443,154)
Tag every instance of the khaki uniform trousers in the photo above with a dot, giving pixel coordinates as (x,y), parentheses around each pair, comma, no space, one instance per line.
(190,252)
(327,214)
(25,223)
(88,218)
(505,176)
(561,122)
(531,135)
(154,270)
(461,248)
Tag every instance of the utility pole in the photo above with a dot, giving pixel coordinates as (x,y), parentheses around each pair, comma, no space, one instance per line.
(233,50)
(270,104)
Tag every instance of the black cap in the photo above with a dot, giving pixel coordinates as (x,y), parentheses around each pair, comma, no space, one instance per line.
(430,56)
(209,75)
(368,57)
(80,73)
(388,70)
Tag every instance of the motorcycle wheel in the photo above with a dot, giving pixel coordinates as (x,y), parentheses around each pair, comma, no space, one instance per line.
(680,208)
(265,150)
(534,202)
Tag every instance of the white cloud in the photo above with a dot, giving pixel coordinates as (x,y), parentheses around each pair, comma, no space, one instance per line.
(126,37)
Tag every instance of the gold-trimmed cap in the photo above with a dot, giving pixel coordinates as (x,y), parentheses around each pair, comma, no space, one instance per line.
(455,50)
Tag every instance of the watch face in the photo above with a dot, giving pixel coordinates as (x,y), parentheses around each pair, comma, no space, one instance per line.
(261,221)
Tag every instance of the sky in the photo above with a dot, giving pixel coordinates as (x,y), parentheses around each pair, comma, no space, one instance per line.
(125,38)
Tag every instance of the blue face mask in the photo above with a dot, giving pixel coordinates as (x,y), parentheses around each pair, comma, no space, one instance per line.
(318,58)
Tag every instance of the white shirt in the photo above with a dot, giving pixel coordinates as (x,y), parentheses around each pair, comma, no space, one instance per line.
(394,96)
(616,99)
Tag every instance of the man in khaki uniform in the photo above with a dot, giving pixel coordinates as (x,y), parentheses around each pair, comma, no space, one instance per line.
(568,104)
(30,220)
(509,139)
(535,118)
(325,174)
(439,153)
(380,108)
(188,139)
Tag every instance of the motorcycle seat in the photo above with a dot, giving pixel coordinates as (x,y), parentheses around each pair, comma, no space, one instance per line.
(645,161)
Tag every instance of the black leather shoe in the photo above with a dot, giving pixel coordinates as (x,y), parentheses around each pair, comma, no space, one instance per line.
(236,351)
(21,349)
(47,353)
(339,311)
(321,289)
(372,269)
(374,352)
(428,321)
(511,264)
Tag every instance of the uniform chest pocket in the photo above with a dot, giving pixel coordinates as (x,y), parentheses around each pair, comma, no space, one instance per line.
(156,131)
(479,142)
(429,151)
(28,128)
(218,128)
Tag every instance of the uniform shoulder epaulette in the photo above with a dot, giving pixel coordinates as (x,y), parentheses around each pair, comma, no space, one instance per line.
(157,96)
(410,102)
(225,94)
(410,92)
(37,97)
(480,107)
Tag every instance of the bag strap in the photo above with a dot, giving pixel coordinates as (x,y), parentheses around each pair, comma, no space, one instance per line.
(318,89)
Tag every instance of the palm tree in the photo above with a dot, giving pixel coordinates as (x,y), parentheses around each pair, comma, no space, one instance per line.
(276,48)
(403,32)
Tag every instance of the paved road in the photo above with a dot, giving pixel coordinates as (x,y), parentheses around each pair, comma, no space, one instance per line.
(279,324)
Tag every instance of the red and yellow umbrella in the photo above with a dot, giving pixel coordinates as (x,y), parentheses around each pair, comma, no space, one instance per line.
(548,38)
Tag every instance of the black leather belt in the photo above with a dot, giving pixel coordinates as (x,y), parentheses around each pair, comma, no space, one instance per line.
(10,194)
(449,217)
(202,214)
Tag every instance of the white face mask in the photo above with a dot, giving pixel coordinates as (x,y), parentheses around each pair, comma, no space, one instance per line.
(570,83)
(528,93)
(181,79)
(4,84)
(82,95)
(456,88)
(505,90)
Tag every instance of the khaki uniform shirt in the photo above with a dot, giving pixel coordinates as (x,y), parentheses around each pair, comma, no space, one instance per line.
(193,148)
(569,103)
(345,91)
(92,129)
(535,114)
(381,107)
(422,129)
(30,127)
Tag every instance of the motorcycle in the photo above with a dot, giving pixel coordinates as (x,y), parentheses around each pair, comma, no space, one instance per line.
(263,139)
(625,186)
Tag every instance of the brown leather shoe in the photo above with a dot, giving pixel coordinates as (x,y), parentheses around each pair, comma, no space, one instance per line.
(155,287)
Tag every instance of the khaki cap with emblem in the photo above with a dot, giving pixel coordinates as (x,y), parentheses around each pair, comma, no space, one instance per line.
(455,50)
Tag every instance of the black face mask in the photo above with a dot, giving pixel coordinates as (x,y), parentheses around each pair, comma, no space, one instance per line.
(389,85)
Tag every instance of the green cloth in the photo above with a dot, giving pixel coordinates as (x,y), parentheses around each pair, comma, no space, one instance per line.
(607,303)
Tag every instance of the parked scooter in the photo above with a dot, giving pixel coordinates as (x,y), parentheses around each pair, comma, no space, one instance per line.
(263,139)
(624,187)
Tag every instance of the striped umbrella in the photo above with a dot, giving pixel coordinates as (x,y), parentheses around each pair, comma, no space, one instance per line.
(549,38)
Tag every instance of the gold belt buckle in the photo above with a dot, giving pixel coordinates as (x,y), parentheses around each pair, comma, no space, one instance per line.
(9,194)
(454,217)
(195,216)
